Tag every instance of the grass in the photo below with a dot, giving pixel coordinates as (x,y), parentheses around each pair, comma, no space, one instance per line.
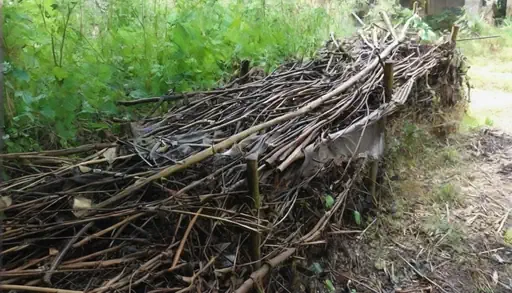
(490,59)
(443,231)
(447,193)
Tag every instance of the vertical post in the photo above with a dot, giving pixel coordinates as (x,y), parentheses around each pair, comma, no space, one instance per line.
(244,67)
(388,95)
(254,190)
(453,35)
(388,81)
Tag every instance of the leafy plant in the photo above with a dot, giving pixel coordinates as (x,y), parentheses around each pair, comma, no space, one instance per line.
(357,217)
(447,193)
(329,201)
(68,62)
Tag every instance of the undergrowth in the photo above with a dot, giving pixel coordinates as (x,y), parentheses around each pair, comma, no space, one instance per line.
(68,62)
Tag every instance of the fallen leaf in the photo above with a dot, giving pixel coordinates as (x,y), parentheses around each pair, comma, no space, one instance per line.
(53,251)
(498,258)
(380,264)
(110,154)
(495,278)
(84,169)
(5,202)
(80,204)
(317,268)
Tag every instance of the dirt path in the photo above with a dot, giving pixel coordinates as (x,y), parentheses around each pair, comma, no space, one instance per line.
(445,220)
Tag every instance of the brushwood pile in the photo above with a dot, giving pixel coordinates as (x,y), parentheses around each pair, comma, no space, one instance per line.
(170,209)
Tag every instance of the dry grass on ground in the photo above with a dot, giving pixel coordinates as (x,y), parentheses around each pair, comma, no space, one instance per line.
(443,217)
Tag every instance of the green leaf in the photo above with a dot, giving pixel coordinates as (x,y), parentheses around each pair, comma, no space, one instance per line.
(329,201)
(317,268)
(508,236)
(329,286)
(21,75)
(48,112)
(25,96)
(59,73)
(357,217)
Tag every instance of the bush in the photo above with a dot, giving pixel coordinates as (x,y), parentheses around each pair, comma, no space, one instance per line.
(68,62)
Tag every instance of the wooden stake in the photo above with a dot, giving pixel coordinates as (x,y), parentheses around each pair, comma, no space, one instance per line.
(244,68)
(388,81)
(254,190)
(455,32)
(388,95)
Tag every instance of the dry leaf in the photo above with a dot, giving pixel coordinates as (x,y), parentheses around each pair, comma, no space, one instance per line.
(5,202)
(495,278)
(498,258)
(84,169)
(110,154)
(53,251)
(80,204)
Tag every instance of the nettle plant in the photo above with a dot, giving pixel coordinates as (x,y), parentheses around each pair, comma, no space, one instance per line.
(68,62)
(52,79)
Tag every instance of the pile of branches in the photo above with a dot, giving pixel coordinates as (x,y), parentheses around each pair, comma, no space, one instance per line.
(171,210)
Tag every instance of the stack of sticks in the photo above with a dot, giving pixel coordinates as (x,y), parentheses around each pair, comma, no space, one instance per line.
(171,210)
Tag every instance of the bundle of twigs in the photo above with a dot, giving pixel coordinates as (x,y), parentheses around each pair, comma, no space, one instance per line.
(170,210)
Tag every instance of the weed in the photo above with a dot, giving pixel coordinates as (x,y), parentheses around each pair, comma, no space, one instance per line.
(447,233)
(508,236)
(469,123)
(68,62)
(447,193)
(450,155)
(489,121)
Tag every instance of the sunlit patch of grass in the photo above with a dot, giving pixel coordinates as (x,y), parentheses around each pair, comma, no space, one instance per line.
(445,232)
(469,123)
(447,193)
(450,155)
(487,78)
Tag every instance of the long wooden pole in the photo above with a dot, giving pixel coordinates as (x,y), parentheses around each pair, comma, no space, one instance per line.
(254,190)
(206,153)
(455,32)
(388,96)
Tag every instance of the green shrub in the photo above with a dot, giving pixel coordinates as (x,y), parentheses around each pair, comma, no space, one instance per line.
(68,62)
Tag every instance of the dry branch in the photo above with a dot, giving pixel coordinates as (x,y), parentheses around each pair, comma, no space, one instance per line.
(169,206)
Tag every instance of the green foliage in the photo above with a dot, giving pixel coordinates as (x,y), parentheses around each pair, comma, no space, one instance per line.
(450,155)
(445,20)
(357,217)
(409,141)
(68,62)
(447,193)
(508,236)
(329,285)
(447,232)
(329,201)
